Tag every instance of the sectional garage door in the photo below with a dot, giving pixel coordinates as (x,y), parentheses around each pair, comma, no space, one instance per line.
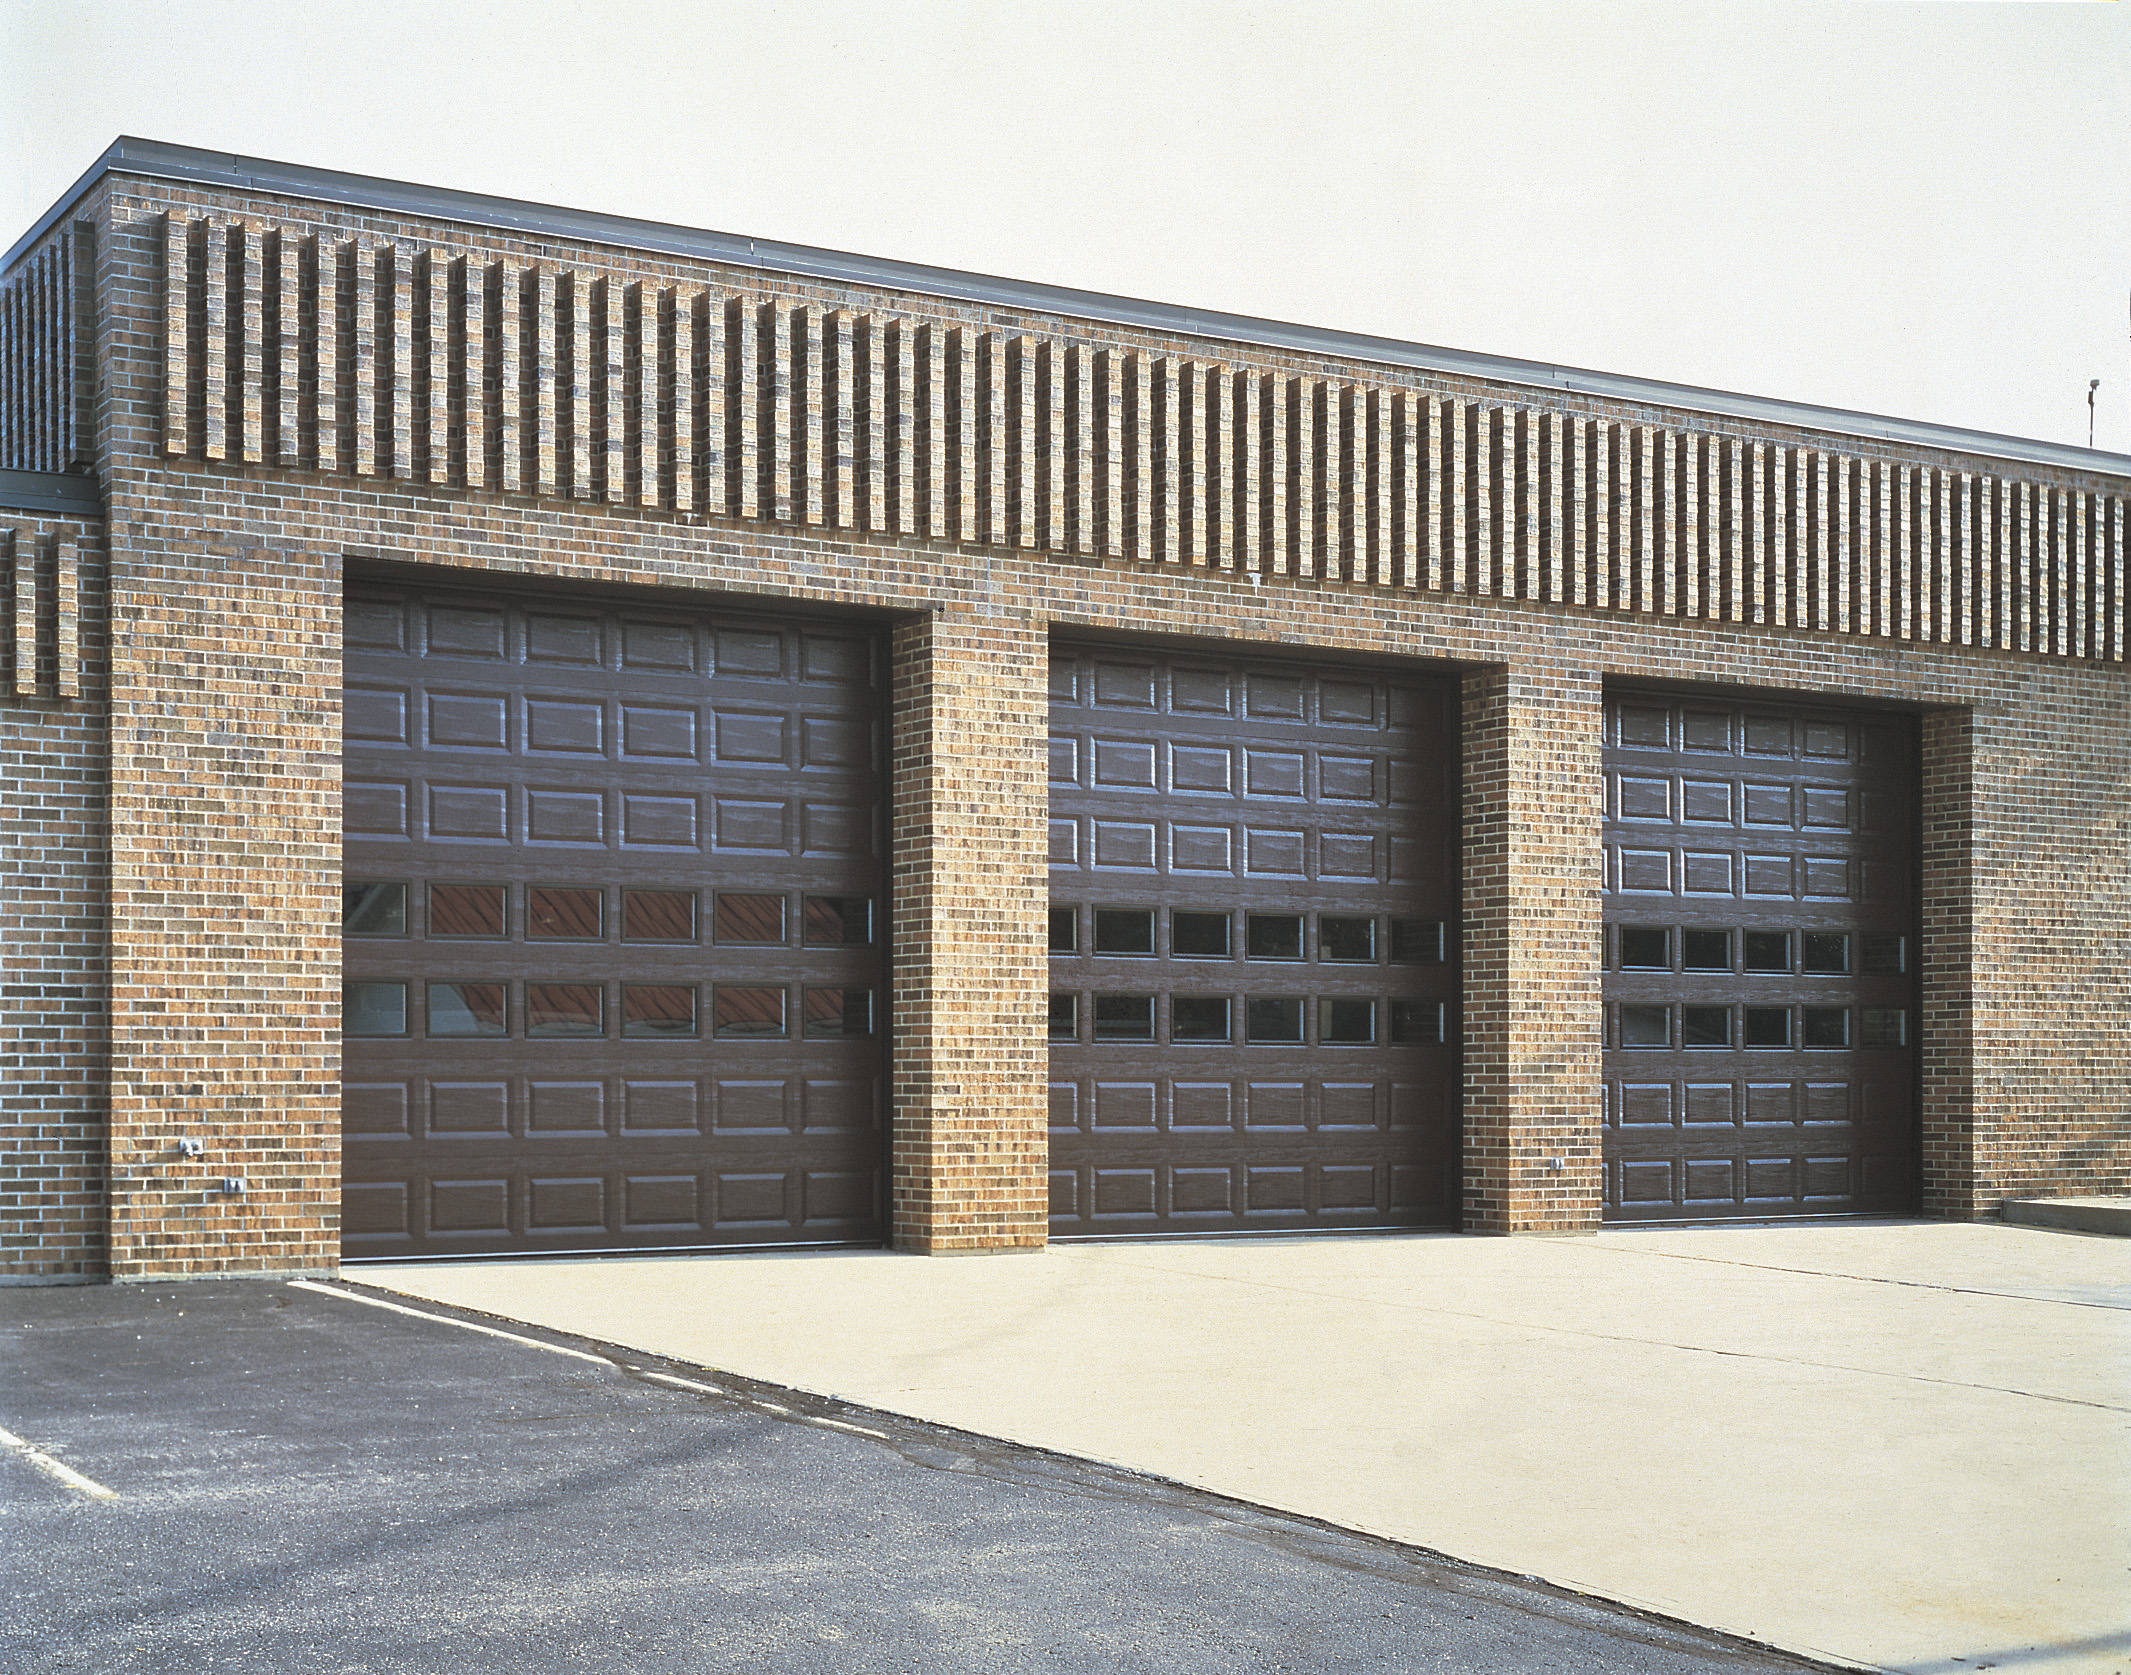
(1760,953)
(612,883)
(1253,954)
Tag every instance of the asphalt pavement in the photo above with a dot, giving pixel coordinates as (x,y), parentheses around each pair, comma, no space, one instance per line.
(274,1477)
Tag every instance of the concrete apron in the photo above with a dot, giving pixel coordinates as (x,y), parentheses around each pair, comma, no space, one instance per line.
(1896,1445)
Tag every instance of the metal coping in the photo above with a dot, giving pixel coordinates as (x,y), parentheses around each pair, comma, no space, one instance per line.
(51,491)
(157,160)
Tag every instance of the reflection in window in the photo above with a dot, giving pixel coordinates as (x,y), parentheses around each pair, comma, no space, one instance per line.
(1124,1017)
(1065,1017)
(1199,936)
(467,909)
(838,1012)
(838,921)
(747,1014)
(1345,939)
(1826,951)
(1882,1026)
(562,1009)
(659,1009)
(1825,1026)
(1768,950)
(1065,930)
(1273,1020)
(373,1009)
(1886,954)
(1705,1026)
(469,1009)
(1645,1026)
(1198,1018)
(1645,948)
(1768,1026)
(368,909)
(1417,1021)
(1273,936)
(750,918)
(1345,1022)
(1124,930)
(1417,942)
(1705,950)
(565,915)
(658,915)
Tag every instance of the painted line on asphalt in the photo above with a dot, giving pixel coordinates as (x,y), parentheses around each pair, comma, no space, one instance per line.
(855,1430)
(57,1468)
(679,1383)
(447,1320)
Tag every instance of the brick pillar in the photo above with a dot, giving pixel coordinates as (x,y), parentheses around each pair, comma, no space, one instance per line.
(225,951)
(1534,870)
(1946,1041)
(969,1163)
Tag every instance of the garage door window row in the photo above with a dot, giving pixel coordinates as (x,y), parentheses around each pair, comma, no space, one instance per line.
(581,1011)
(1699,948)
(1759,1027)
(1267,1020)
(1342,938)
(579,913)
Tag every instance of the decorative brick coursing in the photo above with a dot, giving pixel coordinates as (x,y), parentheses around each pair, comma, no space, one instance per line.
(1533,875)
(969,1155)
(53,848)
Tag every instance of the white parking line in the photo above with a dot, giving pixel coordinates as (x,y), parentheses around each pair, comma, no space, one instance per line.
(447,1320)
(681,1383)
(59,1469)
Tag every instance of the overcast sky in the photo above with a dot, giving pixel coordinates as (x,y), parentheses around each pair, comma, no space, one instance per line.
(1921,210)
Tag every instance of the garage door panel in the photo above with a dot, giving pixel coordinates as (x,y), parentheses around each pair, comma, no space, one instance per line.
(1201,1082)
(583,1050)
(1759,920)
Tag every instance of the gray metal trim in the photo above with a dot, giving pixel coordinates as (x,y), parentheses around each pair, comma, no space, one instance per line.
(155,159)
(67,494)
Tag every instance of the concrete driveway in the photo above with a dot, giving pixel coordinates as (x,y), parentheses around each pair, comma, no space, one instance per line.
(1894,1445)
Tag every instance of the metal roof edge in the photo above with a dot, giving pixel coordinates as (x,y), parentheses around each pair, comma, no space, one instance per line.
(156,159)
(64,492)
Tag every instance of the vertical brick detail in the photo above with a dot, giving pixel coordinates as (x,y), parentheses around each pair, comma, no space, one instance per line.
(225,845)
(969,1154)
(1947,1044)
(1534,801)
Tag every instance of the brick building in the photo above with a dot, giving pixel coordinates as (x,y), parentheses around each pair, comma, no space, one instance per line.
(1478,794)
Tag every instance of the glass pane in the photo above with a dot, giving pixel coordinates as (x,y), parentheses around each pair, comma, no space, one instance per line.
(373,1009)
(1199,936)
(657,1009)
(749,1014)
(837,1012)
(1705,950)
(1273,936)
(1124,930)
(466,909)
(750,918)
(469,1009)
(1826,1026)
(1342,1022)
(838,921)
(1124,1017)
(1065,930)
(1883,1026)
(1198,1018)
(1645,948)
(1419,1021)
(1416,942)
(658,915)
(1645,1026)
(373,910)
(1273,1020)
(1705,1026)
(1886,953)
(1346,940)
(565,1009)
(1768,1026)
(1827,951)
(1065,1017)
(576,915)
(1768,950)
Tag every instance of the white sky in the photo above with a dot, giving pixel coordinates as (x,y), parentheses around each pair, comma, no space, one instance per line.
(1921,210)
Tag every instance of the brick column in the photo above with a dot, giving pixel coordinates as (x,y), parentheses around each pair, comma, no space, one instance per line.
(225,951)
(969,1161)
(1534,870)
(1946,1042)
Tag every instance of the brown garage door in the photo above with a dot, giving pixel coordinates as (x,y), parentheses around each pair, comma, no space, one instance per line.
(1253,968)
(1761,947)
(612,882)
